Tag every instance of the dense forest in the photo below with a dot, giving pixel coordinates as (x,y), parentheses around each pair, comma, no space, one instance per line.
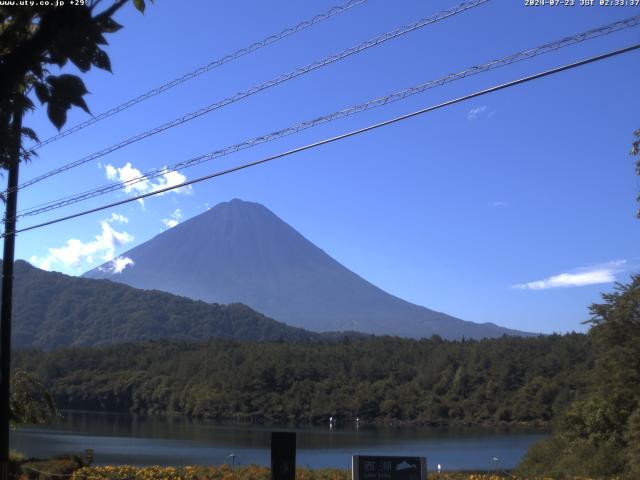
(506,380)
(53,310)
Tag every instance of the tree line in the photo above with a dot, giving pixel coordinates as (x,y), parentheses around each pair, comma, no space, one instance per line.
(508,380)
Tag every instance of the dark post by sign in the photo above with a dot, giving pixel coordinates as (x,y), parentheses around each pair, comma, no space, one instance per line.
(88,456)
(388,468)
(283,456)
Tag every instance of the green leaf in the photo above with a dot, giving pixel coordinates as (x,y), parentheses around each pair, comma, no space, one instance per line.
(30,134)
(42,92)
(57,114)
(100,40)
(81,59)
(66,90)
(139,4)
(56,58)
(101,60)
(37,70)
(79,102)
(25,103)
(67,85)
(109,25)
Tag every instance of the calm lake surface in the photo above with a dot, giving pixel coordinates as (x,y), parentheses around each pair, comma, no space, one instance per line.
(136,440)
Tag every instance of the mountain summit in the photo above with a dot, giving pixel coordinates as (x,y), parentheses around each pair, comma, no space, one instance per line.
(240,252)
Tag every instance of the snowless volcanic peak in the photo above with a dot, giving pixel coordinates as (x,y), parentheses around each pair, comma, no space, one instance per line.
(242,252)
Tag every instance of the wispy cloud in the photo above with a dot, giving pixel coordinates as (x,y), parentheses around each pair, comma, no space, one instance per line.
(174,218)
(167,178)
(116,217)
(595,274)
(499,204)
(475,112)
(76,254)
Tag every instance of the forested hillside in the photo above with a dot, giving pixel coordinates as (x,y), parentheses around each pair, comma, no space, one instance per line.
(505,380)
(53,310)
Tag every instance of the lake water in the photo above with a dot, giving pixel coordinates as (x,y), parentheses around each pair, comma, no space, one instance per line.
(136,440)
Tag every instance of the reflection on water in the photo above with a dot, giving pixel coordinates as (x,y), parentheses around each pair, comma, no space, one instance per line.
(137,440)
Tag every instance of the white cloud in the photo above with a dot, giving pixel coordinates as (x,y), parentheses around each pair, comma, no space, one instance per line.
(76,254)
(499,204)
(111,172)
(117,265)
(475,112)
(174,218)
(40,263)
(171,179)
(167,178)
(116,217)
(603,273)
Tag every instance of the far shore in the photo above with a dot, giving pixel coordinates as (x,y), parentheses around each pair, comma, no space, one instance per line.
(383,422)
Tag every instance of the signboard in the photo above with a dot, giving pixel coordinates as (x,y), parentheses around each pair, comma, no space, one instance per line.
(368,467)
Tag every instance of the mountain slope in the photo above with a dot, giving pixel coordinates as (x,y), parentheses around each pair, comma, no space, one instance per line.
(241,252)
(52,310)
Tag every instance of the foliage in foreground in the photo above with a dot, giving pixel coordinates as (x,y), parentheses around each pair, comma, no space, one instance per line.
(599,434)
(30,402)
(36,39)
(258,473)
(506,380)
(223,472)
(73,469)
(56,468)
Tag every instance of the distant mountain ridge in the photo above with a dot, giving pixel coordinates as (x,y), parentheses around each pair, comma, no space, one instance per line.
(240,251)
(52,310)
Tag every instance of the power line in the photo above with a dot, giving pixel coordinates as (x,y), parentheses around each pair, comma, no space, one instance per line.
(199,71)
(393,97)
(263,86)
(338,137)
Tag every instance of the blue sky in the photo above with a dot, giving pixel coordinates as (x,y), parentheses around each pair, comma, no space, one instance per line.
(516,208)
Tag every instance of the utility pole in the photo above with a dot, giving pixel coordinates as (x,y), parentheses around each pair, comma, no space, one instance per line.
(7,288)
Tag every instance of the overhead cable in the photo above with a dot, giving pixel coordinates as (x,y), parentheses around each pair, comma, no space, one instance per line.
(393,97)
(263,86)
(205,68)
(336,138)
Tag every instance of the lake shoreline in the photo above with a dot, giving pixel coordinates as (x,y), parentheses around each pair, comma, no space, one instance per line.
(384,422)
(122,439)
